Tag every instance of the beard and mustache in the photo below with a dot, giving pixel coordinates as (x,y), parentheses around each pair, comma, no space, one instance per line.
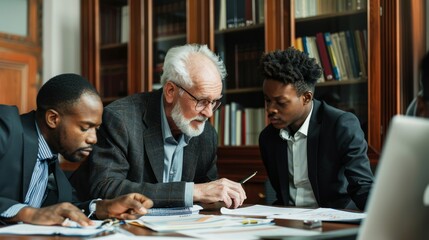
(184,124)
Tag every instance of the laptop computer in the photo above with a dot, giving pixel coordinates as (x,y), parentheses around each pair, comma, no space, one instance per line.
(398,206)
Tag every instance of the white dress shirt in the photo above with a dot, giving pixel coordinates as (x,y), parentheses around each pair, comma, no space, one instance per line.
(300,190)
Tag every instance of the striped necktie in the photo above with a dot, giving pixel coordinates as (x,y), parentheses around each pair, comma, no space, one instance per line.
(62,185)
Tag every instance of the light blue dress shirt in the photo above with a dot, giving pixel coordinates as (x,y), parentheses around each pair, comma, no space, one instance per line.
(173,157)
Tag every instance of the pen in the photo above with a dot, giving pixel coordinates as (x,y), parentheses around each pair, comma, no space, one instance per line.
(249,221)
(249,177)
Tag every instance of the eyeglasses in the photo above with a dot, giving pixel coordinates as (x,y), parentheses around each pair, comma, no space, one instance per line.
(202,103)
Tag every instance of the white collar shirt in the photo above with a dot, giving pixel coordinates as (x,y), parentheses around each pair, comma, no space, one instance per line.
(300,191)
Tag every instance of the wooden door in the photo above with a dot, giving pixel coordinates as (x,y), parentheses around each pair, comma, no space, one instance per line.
(18,85)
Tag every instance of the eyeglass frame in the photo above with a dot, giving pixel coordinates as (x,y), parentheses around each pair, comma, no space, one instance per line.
(215,103)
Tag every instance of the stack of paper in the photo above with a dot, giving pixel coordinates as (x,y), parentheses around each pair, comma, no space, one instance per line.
(197,221)
(247,232)
(29,229)
(322,214)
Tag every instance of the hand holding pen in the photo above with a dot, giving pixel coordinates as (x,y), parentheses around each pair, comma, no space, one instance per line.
(231,193)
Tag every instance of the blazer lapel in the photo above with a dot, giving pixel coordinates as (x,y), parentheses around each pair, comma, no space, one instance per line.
(152,136)
(30,149)
(313,144)
(282,163)
(154,148)
(65,191)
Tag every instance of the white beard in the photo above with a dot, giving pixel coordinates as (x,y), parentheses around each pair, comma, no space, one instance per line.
(185,124)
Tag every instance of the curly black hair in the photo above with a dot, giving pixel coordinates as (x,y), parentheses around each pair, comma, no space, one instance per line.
(62,91)
(291,66)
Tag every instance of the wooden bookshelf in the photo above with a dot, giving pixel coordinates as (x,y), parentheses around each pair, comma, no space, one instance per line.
(276,29)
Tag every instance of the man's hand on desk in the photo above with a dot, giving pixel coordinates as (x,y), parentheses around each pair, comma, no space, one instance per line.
(52,215)
(221,190)
(128,206)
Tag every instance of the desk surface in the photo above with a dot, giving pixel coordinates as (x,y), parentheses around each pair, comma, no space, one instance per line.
(326,227)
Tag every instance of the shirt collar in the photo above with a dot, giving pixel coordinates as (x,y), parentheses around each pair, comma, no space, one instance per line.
(304,127)
(44,151)
(285,134)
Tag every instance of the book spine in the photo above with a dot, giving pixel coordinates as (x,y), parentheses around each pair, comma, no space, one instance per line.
(324,58)
(298,44)
(353,54)
(332,57)
(339,56)
(346,54)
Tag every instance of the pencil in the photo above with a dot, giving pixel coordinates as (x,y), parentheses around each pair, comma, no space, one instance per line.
(248,178)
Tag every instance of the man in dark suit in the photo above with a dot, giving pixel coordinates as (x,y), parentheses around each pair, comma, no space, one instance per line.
(33,189)
(315,155)
(160,144)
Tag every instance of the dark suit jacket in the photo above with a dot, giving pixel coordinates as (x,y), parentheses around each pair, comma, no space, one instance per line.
(18,155)
(338,166)
(129,156)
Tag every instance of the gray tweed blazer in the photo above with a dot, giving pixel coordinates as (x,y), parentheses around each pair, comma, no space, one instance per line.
(129,156)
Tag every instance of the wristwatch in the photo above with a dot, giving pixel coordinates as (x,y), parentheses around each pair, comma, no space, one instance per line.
(93,207)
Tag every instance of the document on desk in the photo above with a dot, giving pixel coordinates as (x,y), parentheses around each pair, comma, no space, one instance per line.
(174,211)
(29,229)
(247,232)
(117,236)
(196,221)
(262,211)
(325,214)
(322,214)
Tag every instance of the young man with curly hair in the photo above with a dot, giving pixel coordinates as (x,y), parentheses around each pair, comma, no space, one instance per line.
(315,155)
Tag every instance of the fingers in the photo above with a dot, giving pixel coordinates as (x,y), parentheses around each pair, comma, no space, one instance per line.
(54,215)
(227,191)
(137,203)
(145,201)
(71,212)
(235,193)
(77,216)
(124,207)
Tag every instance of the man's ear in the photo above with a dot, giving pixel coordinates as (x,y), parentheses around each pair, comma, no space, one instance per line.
(307,97)
(52,118)
(169,91)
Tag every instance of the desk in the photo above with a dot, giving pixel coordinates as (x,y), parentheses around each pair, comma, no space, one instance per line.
(326,227)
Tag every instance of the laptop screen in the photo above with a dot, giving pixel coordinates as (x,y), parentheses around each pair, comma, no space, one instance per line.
(396,207)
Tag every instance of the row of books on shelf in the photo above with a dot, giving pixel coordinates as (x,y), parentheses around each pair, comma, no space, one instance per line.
(238,126)
(169,25)
(308,8)
(114,82)
(114,24)
(169,7)
(238,13)
(342,55)
(169,18)
(245,73)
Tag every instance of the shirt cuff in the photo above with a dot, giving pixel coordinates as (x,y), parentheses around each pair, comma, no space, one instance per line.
(13,210)
(189,194)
